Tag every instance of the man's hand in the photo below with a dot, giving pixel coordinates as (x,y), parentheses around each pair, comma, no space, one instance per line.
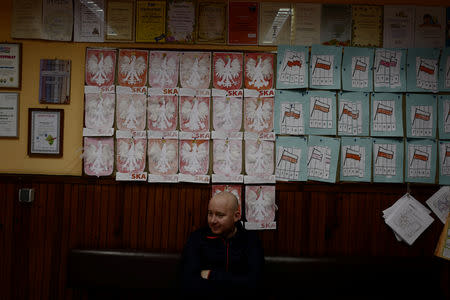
(205,274)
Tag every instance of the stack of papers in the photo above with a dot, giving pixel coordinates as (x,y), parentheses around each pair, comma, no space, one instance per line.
(408,218)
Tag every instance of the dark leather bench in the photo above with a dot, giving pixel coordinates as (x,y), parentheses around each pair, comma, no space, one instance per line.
(122,274)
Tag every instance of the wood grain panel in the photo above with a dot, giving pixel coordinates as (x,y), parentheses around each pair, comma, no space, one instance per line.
(313,219)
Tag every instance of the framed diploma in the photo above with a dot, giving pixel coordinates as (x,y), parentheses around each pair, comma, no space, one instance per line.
(9,115)
(120,21)
(150,21)
(212,22)
(10,65)
(367,23)
(243,23)
(45,132)
(180,24)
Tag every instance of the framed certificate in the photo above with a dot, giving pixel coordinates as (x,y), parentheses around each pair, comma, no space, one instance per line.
(9,115)
(45,132)
(10,65)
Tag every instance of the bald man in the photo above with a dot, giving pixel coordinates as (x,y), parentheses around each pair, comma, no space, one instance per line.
(223,256)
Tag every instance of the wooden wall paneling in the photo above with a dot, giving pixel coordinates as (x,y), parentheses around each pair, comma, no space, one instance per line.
(134,212)
(115,220)
(126,237)
(75,224)
(150,209)
(6,228)
(142,225)
(96,194)
(20,285)
(103,215)
(157,216)
(82,218)
(56,234)
(181,216)
(65,237)
(165,229)
(173,218)
(48,236)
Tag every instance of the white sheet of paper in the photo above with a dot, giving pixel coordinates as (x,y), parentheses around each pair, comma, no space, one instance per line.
(439,203)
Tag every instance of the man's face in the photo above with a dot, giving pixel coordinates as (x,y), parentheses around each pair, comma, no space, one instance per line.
(222,215)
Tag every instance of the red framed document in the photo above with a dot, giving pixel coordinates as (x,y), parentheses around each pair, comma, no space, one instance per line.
(243,23)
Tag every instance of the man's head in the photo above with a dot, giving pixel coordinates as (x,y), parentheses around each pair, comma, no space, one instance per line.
(223,212)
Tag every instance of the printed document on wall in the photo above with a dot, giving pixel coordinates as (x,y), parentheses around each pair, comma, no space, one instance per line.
(306,24)
(430,27)
(398,26)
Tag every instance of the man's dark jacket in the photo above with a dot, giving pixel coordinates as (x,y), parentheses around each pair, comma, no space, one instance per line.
(235,263)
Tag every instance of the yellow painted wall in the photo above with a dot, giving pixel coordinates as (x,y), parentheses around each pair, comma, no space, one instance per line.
(13,152)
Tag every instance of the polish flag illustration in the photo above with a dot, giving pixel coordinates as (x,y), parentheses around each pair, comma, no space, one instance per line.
(323,107)
(359,66)
(352,154)
(426,68)
(295,62)
(289,157)
(421,115)
(347,111)
(420,155)
(383,109)
(385,153)
(447,153)
(315,154)
(322,64)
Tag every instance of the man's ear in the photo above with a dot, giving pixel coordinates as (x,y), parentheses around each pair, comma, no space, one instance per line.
(237,215)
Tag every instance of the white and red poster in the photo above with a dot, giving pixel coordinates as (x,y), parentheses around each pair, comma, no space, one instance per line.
(131,108)
(195,70)
(227,70)
(260,207)
(98,156)
(194,160)
(99,108)
(194,110)
(132,67)
(162,109)
(162,159)
(258,71)
(163,69)
(100,67)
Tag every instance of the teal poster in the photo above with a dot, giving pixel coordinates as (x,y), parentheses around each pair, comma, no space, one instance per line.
(323,157)
(322,112)
(444,162)
(444,69)
(422,70)
(357,67)
(387,114)
(291,112)
(389,70)
(325,67)
(356,159)
(292,67)
(353,113)
(387,160)
(420,160)
(444,117)
(291,158)
(421,115)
